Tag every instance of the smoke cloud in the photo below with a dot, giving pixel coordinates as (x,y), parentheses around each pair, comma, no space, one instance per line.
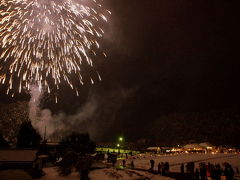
(96,116)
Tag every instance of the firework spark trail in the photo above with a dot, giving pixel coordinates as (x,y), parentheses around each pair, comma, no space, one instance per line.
(48,41)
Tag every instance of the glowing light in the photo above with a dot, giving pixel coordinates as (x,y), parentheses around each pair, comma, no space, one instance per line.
(49,42)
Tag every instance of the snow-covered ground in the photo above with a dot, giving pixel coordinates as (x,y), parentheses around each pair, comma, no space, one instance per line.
(124,174)
(104,174)
(142,160)
(14,175)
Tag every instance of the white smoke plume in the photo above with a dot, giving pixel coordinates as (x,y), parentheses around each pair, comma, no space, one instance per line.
(88,118)
(50,125)
(34,104)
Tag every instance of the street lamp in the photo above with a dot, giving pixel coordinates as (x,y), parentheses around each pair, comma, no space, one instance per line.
(120,139)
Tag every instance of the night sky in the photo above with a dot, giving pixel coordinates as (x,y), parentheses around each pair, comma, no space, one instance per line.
(164,57)
(182,54)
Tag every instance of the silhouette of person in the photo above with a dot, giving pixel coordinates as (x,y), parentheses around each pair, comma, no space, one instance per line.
(182,168)
(151,164)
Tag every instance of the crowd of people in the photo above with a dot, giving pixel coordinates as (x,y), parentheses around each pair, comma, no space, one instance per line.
(162,167)
(210,171)
(204,171)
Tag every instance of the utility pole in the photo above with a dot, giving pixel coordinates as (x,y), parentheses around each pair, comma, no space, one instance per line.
(45,132)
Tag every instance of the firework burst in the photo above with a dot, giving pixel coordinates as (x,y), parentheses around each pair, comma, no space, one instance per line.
(49,41)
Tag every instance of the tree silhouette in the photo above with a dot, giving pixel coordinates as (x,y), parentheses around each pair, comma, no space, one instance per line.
(79,143)
(75,150)
(11,117)
(27,136)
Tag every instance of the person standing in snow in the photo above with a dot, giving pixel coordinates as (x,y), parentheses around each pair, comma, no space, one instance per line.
(228,172)
(217,172)
(159,168)
(203,171)
(151,165)
(166,167)
(124,163)
(197,174)
(132,164)
(182,168)
(163,169)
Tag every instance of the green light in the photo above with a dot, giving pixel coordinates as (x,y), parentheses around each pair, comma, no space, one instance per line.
(121,139)
(118,145)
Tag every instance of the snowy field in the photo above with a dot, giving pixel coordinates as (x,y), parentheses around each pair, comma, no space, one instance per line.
(104,174)
(142,160)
